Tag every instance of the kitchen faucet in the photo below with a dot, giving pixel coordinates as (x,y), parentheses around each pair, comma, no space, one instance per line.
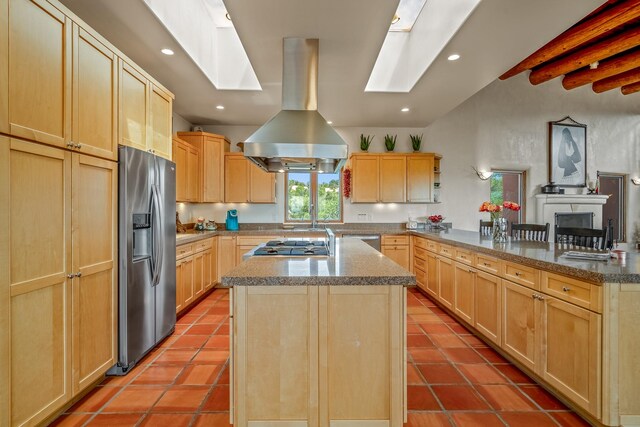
(314,215)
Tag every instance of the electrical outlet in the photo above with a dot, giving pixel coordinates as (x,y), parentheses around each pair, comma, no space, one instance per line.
(362,217)
(369,217)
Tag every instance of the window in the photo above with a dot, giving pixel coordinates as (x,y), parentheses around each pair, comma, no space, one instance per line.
(508,186)
(319,189)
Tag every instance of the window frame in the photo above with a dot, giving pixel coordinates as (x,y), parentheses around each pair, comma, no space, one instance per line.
(314,199)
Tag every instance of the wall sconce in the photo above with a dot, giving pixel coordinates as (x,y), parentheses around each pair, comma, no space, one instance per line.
(635,181)
(483,175)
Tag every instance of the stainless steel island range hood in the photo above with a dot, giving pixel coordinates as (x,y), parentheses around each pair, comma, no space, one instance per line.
(298,138)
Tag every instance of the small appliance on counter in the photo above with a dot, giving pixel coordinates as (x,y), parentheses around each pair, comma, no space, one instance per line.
(232,220)
(210,226)
(551,188)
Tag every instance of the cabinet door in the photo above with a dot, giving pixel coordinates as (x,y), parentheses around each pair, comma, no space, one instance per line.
(464,292)
(488,306)
(179,285)
(236,175)
(207,269)
(446,278)
(188,276)
(180,156)
(520,335)
(350,342)
(213,169)
(160,123)
(198,274)
(39,207)
(226,254)
(95,68)
(39,61)
(399,254)
(134,110)
(275,324)
(571,357)
(193,177)
(214,262)
(365,179)
(419,179)
(95,310)
(433,277)
(262,185)
(393,178)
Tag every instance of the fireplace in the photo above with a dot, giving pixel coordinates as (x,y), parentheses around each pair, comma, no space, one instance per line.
(589,205)
(570,219)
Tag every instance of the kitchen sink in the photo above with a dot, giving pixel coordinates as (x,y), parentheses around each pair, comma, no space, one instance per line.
(309,229)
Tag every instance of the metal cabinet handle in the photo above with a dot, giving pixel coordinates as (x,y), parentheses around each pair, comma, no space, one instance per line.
(78,274)
(71,276)
(566,289)
(518,274)
(534,296)
(485,264)
(78,146)
(70,144)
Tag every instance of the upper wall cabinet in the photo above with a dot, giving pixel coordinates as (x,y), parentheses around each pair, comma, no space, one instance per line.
(212,148)
(245,182)
(145,113)
(390,177)
(60,84)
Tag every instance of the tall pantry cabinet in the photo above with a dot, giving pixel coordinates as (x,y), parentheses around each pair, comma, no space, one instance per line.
(61,116)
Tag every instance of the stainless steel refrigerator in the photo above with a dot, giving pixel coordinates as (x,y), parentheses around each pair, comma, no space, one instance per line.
(147,254)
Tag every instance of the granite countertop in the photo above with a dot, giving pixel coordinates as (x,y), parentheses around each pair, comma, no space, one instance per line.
(545,256)
(355,263)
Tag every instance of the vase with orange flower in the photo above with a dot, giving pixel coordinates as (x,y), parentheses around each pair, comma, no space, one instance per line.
(499,222)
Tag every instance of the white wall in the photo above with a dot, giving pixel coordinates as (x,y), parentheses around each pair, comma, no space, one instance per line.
(180,124)
(505,125)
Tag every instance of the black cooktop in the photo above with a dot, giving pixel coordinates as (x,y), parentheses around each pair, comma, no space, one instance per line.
(289,243)
(293,248)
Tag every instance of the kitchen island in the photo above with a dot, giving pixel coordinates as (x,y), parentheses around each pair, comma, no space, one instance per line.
(319,341)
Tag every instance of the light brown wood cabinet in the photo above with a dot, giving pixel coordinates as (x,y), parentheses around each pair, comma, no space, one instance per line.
(62,287)
(226,255)
(393,177)
(196,269)
(446,291)
(295,358)
(211,164)
(464,292)
(488,306)
(187,159)
(245,182)
(520,331)
(396,247)
(145,112)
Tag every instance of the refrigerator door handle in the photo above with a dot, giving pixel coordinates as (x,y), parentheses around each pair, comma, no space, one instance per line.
(157,228)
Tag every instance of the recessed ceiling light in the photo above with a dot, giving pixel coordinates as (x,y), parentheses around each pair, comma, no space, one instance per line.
(329,122)
(405,109)
(220,107)
(167,51)
(453,57)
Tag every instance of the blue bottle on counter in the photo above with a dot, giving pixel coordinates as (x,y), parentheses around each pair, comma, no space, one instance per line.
(232,220)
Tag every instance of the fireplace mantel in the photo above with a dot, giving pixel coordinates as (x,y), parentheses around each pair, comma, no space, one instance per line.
(547,205)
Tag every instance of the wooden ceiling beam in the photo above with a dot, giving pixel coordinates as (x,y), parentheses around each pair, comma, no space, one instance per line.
(583,57)
(606,68)
(624,79)
(629,89)
(579,35)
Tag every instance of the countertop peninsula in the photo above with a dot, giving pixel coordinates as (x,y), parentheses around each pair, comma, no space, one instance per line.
(354,263)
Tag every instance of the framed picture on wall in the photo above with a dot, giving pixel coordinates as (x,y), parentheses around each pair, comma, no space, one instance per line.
(568,153)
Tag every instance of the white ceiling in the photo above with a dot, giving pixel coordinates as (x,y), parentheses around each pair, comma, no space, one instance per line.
(497,35)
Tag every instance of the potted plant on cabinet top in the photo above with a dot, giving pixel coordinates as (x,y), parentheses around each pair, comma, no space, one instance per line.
(365,142)
(390,142)
(416,142)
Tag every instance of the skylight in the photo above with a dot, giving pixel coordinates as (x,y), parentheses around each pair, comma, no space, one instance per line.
(407,54)
(203,30)
(406,15)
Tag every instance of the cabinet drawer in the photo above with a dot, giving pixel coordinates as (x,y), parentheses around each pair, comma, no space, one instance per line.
(432,246)
(255,240)
(202,245)
(395,240)
(184,251)
(419,263)
(526,276)
(464,256)
(419,242)
(447,251)
(580,293)
(488,263)
(419,253)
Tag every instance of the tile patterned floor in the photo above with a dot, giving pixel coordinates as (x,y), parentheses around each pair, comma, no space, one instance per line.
(454,379)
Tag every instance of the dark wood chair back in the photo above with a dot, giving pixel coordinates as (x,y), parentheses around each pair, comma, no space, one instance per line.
(593,238)
(537,232)
(486,228)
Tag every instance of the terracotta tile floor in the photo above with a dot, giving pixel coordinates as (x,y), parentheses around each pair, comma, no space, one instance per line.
(453,378)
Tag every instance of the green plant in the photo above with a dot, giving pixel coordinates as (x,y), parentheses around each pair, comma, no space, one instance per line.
(416,142)
(365,142)
(390,142)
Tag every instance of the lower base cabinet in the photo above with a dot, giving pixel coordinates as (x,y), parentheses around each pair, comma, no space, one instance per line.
(304,356)
(464,292)
(196,271)
(520,336)
(488,306)
(445,281)
(398,253)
